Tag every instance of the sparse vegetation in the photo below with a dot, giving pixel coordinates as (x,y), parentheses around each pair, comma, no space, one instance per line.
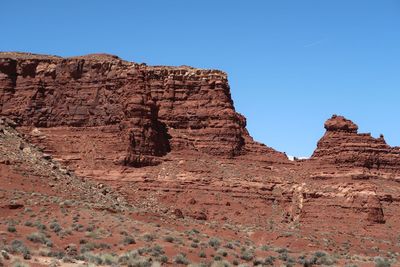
(103,237)
(39,237)
(148,237)
(181,259)
(11,229)
(19,264)
(128,240)
(214,242)
(55,227)
(247,255)
(169,239)
(381,262)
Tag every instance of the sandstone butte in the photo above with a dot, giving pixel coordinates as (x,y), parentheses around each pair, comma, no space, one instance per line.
(168,140)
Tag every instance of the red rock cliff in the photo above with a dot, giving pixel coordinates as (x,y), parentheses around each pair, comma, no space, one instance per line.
(343,146)
(104,108)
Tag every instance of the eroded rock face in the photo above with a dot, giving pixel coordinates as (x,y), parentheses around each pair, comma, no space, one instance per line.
(344,147)
(101,108)
(340,124)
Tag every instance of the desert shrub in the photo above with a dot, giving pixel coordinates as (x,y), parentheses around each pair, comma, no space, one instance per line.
(192,232)
(148,237)
(269,260)
(76,218)
(95,234)
(93,258)
(128,240)
(181,259)
(39,238)
(87,247)
(132,259)
(40,226)
(214,242)
(157,250)
(11,228)
(17,246)
(27,256)
(4,255)
(19,264)
(55,227)
(229,245)
(56,254)
(322,258)
(282,250)
(319,254)
(247,255)
(164,259)
(381,262)
(218,258)
(90,228)
(78,227)
(220,263)
(141,251)
(283,256)
(44,252)
(202,254)
(123,259)
(109,259)
(92,246)
(68,259)
(27,210)
(222,252)
(140,262)
(194,245)
(258,262)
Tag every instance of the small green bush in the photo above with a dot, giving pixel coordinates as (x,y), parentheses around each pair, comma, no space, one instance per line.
(181,259)
(128,240)
(55,227)
(164,259)
(39,238)
(11,229)
(19,264)
(247,255)
(148,237)
(214,242)
(381,262)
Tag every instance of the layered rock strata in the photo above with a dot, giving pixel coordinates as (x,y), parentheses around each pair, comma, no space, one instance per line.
(99,109)
(343,146)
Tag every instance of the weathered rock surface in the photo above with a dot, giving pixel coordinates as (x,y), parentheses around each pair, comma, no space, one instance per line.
(98,113)
(344,147)
(102,109)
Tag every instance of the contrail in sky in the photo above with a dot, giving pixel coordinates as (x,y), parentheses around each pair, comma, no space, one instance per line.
(315,43)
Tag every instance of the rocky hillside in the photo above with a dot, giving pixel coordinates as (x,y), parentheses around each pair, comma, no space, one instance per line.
(161,151)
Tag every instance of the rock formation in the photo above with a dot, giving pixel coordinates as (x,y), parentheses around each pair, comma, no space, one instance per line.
(102,108)
(90,118)
(344,147)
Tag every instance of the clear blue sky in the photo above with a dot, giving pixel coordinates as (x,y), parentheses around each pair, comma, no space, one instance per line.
(291,64)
